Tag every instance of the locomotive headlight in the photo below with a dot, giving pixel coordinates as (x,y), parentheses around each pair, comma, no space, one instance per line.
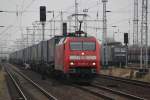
(71,63)
(93,63)
(82,53)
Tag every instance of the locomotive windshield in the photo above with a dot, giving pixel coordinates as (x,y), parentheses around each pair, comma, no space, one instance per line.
(76,45)
(83,46)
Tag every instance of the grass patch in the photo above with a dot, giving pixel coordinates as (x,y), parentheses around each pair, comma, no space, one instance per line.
(146,78)
(120,72)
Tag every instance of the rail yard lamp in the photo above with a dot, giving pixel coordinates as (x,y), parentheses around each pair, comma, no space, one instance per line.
(114,31)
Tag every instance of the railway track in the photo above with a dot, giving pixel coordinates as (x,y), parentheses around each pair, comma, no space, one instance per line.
(127,86)
(63,82)
(17,92)
(119,94)
(128,81)
(27,89)
(107,93)
(96,93)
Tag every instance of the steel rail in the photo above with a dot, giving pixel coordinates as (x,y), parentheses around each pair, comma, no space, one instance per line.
(129,81)
(117,92)
(50,96)
(23,97)
(94,93)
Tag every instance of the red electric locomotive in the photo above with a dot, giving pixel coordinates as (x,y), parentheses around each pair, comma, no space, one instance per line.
(78,56)
(73,54)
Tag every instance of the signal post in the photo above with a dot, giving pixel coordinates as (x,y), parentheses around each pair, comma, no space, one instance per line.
(126,44)
(43,20)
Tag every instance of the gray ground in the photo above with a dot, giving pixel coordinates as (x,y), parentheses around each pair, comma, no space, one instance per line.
(4,94)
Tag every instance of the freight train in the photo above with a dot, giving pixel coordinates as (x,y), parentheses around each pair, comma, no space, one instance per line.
(134,54)
(69,55)
(116,53)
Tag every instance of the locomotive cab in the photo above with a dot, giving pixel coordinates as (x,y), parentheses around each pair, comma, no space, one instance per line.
(78,55)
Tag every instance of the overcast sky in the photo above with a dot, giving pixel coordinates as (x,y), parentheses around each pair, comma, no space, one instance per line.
(121,14)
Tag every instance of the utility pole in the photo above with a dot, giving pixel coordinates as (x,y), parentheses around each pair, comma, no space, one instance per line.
(43,31)
(51,30)
(126,41)
(129,31)
(33,39)
(27,37)
(27,44)
(54,22)
(84,20)
(135,23)
(114,32)
(104,37)
(61,17)
(76,15)
(144,34)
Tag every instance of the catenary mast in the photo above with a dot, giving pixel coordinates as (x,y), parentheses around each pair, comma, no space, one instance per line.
(144,34)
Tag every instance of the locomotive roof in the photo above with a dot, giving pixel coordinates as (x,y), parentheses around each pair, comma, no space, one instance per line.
(81,38)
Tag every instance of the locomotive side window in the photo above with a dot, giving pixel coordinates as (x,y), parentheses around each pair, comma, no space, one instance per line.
(117,50)
(89,46)
(123,49)
(76,45)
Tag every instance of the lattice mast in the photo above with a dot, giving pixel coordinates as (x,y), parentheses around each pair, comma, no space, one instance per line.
(144,34)
(76,15)
(104,36)
(135,23)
